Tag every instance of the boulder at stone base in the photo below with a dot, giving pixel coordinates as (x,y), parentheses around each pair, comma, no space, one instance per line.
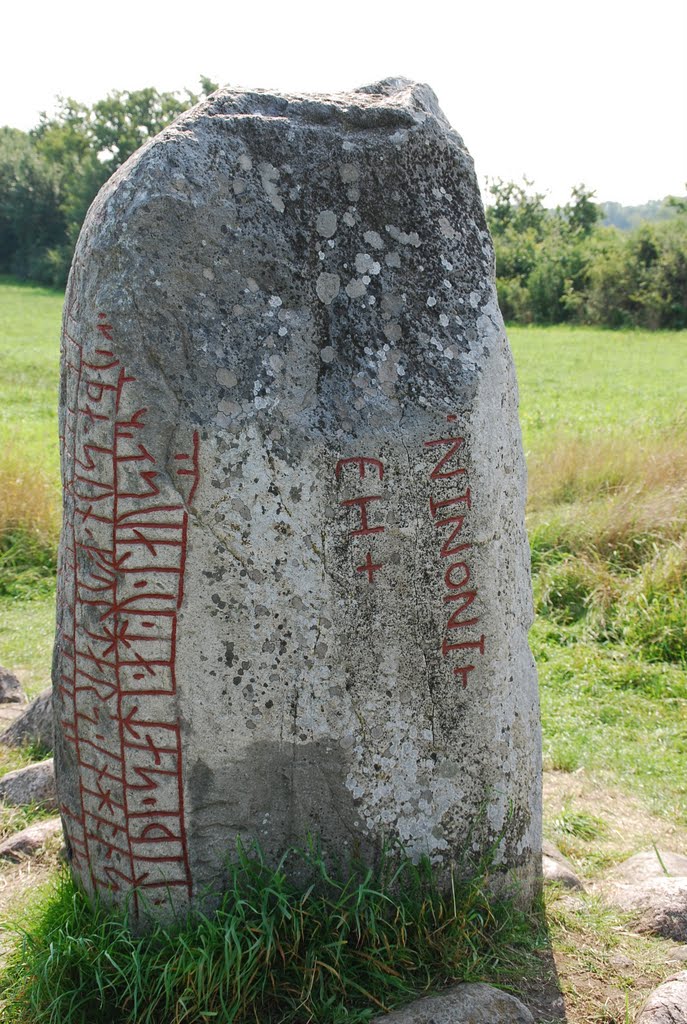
(668,1003)
(34,784)
(557,868)
(463,1004)
(657,901)
(10,688)
(30,840)
(34,725)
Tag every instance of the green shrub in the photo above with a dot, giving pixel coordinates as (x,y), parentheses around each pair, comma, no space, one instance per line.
(27,565)
(580,824)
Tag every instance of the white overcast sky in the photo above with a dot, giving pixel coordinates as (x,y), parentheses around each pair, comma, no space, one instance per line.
(593,91)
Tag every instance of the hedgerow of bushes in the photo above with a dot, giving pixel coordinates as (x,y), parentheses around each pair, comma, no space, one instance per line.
(563,265)
(553,265)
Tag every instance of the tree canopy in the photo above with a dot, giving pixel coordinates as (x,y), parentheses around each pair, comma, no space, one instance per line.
(552,265)
(50,175)
(562,264)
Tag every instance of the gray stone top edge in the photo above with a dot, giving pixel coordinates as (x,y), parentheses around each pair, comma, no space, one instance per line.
(389,103)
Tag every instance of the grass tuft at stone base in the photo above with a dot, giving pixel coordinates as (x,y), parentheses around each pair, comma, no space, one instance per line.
(346,949)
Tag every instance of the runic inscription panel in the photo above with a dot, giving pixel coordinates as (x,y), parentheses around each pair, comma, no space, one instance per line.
(124,550)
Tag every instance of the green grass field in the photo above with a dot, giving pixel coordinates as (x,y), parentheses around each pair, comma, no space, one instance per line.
(582,380)
(605,433)
(29,368)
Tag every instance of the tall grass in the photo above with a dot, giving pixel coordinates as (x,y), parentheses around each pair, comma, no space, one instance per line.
(29,527)
(608,527)
(346,948)
(29,483)
(612,498)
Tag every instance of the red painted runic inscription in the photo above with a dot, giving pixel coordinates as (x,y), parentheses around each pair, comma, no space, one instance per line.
(449,515)
(361,502)
(121,587)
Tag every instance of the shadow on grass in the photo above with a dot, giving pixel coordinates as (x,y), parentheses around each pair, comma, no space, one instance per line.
(540,989)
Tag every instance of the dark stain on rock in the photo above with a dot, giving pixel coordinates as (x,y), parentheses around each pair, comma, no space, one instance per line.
(229,656)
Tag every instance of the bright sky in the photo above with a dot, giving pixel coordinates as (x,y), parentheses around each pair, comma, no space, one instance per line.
(591,91)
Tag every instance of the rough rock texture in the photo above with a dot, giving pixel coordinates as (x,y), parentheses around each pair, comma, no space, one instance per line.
(668,1003)
(10,688)
(658,901)
(557,868)
(34,784)
(34,725)
(9,714)
(294,584)
(650,864)
(30,840)
(658,906)
(554,871)
(463,1004)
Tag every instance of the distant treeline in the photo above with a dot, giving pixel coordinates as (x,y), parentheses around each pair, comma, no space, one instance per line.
(563,265)
(627,217)
(552,266)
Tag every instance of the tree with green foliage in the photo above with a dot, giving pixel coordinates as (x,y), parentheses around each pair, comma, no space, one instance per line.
(639,278)
(540,253)
(558,265)
(50,175)
(31,218)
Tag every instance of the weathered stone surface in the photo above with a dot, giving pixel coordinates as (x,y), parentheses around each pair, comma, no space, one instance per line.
(659,906)
(34,725)
(294,588)
(464,1004)
(30,840)
(668,1003)
(10,688)
(650,864)
(34,784)
(658,901)
(555,871)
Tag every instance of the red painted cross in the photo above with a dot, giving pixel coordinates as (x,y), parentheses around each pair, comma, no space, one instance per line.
(369,567)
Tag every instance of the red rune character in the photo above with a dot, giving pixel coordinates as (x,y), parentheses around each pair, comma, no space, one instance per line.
(360,461)
(450,546)
(438,473)
(369,567)
(364,528)
(193,471)
(465,599)
(96,389)
(105,353)
(143,456)
(463,673)
(466,645)
(434,505)
(449,578)
(123,428)
(104,328)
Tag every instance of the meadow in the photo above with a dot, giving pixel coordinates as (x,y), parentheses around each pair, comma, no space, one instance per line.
(605,434)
